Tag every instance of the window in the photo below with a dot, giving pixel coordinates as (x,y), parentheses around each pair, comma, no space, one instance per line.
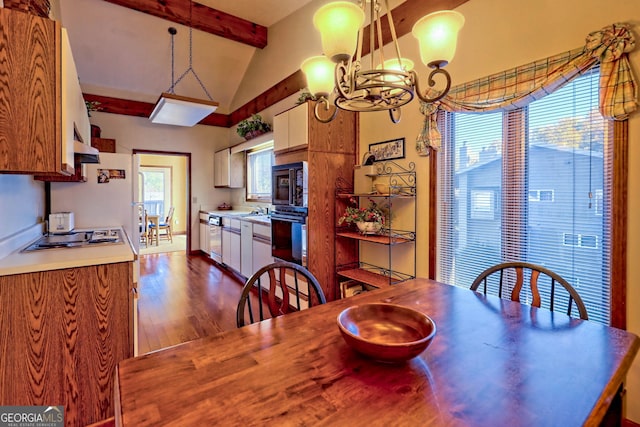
(580,240)
(548,165)
(155,187)
(482,204)
(259,162)
(541,195)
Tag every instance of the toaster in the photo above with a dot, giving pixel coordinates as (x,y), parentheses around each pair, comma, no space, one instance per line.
(61,222)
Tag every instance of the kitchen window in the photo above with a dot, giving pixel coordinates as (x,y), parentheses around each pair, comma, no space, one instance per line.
(259,162)
(556,149)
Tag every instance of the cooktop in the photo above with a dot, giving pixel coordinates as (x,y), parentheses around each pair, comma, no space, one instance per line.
(75,239)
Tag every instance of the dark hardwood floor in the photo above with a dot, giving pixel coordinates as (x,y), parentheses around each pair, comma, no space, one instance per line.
(181,298)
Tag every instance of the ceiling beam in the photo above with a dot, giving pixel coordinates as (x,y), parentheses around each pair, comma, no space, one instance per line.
(203,18)
(404,16)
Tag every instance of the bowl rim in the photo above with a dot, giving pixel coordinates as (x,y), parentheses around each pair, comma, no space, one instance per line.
(397,306)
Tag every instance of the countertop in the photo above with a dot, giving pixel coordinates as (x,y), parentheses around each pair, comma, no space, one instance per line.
(245,215)
(56,259)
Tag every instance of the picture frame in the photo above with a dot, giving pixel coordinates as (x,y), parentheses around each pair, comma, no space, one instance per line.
(388,150)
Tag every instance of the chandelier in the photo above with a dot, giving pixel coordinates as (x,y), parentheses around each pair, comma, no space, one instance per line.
(386,84)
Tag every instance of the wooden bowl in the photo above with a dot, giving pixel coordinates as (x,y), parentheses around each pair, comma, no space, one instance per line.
(386,332)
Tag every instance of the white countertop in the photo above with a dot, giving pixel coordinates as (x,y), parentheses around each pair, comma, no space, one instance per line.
(56,259)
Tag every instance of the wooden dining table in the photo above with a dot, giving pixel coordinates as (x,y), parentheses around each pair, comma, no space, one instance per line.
(492,363)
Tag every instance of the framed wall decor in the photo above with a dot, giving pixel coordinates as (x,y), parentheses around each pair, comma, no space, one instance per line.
(388,150)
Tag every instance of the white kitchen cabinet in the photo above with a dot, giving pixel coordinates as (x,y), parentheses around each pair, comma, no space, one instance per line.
(231,243)
(228,169)
(261,246)
(291,128)
(204,233)
(246,248)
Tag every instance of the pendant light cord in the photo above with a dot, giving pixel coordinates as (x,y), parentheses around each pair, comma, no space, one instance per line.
(173,32)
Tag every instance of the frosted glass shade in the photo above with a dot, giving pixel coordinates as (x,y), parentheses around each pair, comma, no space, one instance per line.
(437,34)
(393,64)
(339,23)
(178,110)
(319,71)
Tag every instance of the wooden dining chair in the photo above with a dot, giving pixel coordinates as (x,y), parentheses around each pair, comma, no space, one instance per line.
(298,291)
(507,280)
(166,226)
(144,228)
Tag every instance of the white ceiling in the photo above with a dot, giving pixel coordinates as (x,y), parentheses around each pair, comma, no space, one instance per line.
(124,53)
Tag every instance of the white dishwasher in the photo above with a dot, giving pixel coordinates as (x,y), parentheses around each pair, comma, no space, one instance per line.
(215,238)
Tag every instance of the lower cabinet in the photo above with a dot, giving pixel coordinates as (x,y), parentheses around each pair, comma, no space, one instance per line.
(246,245)
(246,248)
(204,233)
(63,333)
(261,246)
(231,243)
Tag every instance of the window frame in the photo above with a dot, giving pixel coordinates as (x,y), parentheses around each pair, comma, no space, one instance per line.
(616,149)
(250,196)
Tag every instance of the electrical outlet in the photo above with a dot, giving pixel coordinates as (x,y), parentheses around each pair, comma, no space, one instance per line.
(195,199)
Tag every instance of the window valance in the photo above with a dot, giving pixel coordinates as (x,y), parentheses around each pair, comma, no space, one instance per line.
(517,87)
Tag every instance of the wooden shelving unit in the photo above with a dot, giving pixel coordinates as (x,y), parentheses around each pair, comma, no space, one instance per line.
(401,181)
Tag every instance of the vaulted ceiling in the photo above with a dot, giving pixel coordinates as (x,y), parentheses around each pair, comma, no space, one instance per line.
(122,48)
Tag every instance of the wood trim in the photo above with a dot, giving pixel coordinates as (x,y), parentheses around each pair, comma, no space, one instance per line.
(433,212)
(618,203)
(203,18)
(188,189)
(187,99)
(404,17)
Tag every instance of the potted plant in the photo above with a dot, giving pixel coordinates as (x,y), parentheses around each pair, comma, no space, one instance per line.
(93,106)
(369,220)
(252,127)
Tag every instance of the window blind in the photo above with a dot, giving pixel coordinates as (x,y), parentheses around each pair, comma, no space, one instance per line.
(529,185)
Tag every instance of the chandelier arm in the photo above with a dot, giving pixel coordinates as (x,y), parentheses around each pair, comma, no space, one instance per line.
(323,101)
(341,71)
(432,83)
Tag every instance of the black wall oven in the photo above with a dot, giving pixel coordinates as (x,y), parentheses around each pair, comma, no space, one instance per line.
(289,234)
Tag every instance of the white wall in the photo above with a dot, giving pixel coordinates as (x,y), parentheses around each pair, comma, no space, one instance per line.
(21,203)
(201,141)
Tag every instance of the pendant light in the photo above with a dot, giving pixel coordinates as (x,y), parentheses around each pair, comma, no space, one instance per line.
(172,109)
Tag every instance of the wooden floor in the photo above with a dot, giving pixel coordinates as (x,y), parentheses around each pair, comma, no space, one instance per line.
(182,298)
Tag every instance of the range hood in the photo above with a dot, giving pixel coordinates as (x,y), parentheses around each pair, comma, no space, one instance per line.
(84,153)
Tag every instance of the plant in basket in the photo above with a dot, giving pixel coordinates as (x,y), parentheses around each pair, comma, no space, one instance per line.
(252,127)
(369,219)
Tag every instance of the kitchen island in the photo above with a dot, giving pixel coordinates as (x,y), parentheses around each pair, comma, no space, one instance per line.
(66,321)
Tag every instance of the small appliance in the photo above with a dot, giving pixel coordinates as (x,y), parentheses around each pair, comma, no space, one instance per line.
(61,222)
(289,184)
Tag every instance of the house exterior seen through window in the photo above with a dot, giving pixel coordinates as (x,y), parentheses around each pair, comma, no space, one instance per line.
(527,185)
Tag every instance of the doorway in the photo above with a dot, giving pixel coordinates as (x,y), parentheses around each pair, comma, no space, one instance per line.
(164,181)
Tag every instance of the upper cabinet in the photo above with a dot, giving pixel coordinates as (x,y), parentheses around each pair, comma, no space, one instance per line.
(291,128)
(42,111)
(228,169)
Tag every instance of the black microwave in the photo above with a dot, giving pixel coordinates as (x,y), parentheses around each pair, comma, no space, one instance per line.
(289,185)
